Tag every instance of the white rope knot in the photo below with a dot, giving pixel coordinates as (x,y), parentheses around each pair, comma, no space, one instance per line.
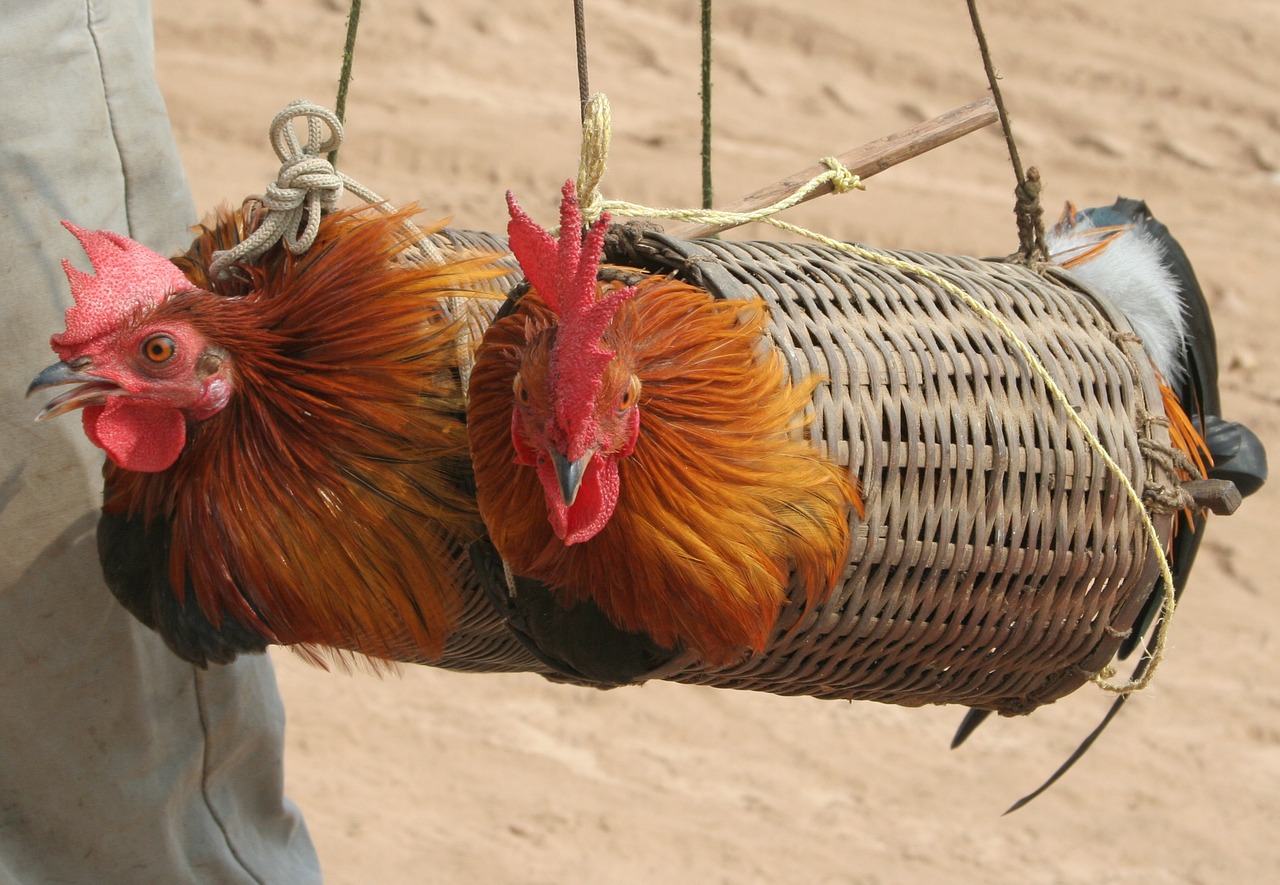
(306,187)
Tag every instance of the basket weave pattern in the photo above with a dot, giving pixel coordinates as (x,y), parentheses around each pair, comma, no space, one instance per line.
(999,563)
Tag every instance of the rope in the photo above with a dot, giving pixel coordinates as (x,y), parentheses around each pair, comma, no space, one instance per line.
(596,129)
(707,190)
(344,78)
(591,169)
(580,42)
(306,187)
(1030,217)
(1027,210)
(841,179)
(1167,499)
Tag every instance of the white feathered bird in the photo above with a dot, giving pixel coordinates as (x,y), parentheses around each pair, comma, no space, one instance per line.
(1128,262)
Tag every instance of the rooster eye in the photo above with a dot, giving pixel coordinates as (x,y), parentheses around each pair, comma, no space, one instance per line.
(630,395)
(158,348)
(521,393)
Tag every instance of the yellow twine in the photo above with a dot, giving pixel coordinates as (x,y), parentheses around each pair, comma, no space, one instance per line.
(595,140)
(595,148)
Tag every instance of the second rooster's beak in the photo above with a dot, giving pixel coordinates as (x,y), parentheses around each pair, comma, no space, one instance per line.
(92,390)
(570,474)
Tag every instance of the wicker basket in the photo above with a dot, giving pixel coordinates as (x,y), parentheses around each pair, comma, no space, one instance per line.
(481,641)
(1000,563)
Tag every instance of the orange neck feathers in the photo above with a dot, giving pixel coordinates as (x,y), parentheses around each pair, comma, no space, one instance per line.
(719,502)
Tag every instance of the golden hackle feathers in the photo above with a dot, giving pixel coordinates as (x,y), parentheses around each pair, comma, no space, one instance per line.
(721,499)
(321,504)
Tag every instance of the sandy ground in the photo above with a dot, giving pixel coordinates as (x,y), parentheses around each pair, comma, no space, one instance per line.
(430,776)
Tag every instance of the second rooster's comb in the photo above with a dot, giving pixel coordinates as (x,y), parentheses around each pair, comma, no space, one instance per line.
(563,271)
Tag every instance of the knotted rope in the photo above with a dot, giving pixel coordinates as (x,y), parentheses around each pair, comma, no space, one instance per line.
(306,188)
(595,144)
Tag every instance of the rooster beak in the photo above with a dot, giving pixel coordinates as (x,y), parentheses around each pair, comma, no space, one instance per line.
(92,390)
(570,474)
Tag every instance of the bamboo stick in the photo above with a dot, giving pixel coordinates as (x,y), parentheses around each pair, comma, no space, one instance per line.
(865,161)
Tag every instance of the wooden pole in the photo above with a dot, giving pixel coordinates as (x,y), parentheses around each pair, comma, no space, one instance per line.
(873,157)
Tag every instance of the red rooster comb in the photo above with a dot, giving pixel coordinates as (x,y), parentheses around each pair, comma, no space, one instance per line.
(128,276)
(564,273)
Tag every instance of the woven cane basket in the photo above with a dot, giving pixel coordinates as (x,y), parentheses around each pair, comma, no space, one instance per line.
(481,640)
(1000,563)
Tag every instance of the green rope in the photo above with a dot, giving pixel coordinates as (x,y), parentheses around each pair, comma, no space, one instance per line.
(344,79)
(580,44)
(707,191)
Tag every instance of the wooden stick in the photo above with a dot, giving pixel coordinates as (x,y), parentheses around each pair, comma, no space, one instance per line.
(873,157)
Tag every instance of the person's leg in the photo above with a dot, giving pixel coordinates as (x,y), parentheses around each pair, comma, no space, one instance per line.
(118,762)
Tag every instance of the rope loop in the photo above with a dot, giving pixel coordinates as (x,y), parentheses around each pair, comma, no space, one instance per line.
(284,138)
(596,134)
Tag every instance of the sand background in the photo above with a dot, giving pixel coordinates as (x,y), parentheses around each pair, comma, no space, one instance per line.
(431,776)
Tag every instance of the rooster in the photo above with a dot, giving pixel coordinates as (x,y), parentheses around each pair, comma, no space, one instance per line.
(287,451)
(636,450)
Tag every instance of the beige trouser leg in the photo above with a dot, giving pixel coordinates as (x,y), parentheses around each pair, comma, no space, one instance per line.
(118,762)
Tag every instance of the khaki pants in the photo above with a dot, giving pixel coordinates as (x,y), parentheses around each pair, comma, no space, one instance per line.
(118,762)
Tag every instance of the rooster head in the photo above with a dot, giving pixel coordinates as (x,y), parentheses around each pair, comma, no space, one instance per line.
(140,375)
(576,408)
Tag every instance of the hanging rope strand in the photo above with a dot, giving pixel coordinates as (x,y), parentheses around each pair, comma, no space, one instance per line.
(344,79)
(580,40)
(708,192)
(1027,209)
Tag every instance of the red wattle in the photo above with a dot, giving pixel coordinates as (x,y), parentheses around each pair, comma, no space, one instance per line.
(591,510)
(145,439)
